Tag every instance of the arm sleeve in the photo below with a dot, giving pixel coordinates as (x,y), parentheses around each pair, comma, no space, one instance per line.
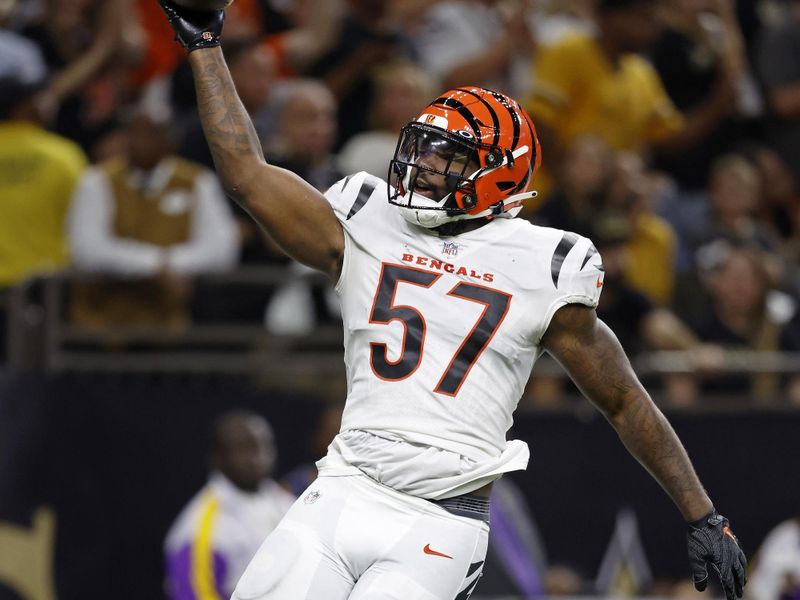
(90,228)
(577,273)
(214,242)
(360,216)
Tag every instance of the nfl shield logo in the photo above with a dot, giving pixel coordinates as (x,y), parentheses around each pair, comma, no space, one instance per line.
(449,248)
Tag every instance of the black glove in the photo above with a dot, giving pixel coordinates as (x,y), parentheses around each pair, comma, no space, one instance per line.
(194,28)
(711,541)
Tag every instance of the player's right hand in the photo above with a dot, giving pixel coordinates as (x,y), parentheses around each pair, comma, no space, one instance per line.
(194,29)
(712,543)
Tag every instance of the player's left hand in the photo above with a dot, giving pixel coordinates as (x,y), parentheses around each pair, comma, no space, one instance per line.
(711,542)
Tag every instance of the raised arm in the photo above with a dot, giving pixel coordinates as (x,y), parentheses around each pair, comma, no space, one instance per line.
(292,212)
(593,357)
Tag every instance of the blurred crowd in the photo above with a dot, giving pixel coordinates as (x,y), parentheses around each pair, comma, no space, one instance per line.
(670,135)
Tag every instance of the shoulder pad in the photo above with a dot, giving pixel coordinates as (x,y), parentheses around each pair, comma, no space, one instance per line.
(349,195)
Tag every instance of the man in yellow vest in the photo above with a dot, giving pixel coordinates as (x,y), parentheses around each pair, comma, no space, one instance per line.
(149,220)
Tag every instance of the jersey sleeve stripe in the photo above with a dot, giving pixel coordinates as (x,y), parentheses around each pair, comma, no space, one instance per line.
(568,241)
(367,187)
(589,254)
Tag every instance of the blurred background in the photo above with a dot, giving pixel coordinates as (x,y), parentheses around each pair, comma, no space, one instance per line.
(168,377)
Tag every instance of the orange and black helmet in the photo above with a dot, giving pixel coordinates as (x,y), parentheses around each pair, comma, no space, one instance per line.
(486,149)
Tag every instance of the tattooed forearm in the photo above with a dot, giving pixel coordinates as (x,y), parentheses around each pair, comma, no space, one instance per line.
(596,362)
(649,437)
(228,129)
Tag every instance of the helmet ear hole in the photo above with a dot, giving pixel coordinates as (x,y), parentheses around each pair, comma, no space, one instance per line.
(494,157)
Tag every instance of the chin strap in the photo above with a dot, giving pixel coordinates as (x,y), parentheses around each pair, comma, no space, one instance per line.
(430,219)
(507,208)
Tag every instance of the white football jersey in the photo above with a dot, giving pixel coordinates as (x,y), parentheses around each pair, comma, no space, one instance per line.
(441,333)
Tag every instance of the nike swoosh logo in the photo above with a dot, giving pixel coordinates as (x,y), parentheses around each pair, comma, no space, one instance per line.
(427,550)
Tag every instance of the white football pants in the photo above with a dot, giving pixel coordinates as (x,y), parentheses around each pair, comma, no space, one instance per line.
(348,537)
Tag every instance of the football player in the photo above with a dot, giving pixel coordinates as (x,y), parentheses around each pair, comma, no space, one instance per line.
(446,301)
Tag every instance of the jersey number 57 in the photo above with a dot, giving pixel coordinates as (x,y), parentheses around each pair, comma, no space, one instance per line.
(384,311)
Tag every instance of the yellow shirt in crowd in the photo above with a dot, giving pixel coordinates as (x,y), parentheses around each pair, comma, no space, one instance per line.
(38,173)
(579,91)
(651,264)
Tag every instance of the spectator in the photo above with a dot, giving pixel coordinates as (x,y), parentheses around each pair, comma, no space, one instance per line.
(19,57)
(475,42)
(366,40)
(81,40)
(779,71)
(215,536)
(399,87)
(638,322)
(38,172)
(591,178)
(554,19)
(308,30)
(582,180)
(653,243)
(600,85)
(151,217)
(779,207)
(746,314)
(161,57)
(700,51)
(776,568)
(733,199)
(306,133)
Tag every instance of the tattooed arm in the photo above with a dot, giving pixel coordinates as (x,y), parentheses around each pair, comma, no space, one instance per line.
(591,354)
(292,212)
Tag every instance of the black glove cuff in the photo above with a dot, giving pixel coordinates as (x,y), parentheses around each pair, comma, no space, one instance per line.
(712,518)
(204,41)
